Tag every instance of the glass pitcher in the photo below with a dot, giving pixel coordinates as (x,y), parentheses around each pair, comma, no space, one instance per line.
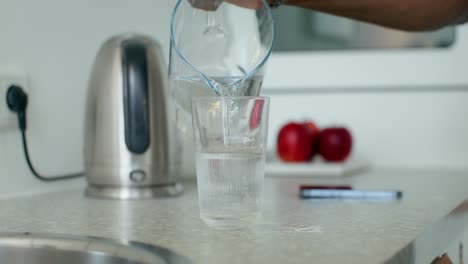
(219,49)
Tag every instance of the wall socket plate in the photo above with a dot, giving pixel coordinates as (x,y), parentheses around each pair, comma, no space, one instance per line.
(8,119)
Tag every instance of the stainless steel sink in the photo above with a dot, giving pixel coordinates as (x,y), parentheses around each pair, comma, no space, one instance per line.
(30,248)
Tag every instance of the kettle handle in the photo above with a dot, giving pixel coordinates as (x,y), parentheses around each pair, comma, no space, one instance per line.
(136,93)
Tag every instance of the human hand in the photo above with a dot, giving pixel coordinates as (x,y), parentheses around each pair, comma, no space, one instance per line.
(212,5)
(209,5)
(253,4)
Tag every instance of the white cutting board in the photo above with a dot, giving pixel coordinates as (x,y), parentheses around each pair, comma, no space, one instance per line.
(315,168)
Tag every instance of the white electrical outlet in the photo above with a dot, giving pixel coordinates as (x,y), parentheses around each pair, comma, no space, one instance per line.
(8,119)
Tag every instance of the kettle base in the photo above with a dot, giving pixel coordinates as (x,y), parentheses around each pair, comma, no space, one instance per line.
(127,193)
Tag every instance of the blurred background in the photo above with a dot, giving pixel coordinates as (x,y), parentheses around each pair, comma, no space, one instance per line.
(403,95)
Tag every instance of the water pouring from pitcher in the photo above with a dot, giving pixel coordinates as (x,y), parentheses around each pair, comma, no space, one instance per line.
(217,49)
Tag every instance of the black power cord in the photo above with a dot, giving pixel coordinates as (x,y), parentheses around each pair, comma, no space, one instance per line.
(17,101)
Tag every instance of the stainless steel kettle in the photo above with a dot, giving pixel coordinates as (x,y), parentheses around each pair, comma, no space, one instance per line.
(128,133)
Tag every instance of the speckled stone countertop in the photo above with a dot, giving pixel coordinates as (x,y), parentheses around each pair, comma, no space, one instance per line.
(292,230)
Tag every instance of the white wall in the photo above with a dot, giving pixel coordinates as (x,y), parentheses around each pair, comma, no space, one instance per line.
(409,130)
(55,41)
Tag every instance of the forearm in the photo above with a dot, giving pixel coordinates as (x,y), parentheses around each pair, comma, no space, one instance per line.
(410,15)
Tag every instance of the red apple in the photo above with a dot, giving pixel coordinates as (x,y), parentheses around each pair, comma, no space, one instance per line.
(314,132)
(294,143)
(335,143)
(312,128)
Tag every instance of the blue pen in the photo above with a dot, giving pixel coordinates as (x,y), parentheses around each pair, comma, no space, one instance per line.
(314,193)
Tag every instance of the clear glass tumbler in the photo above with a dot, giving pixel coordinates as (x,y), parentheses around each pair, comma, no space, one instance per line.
(230,143)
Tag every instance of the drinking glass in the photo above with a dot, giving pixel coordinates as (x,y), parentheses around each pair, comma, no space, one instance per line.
(230,144)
